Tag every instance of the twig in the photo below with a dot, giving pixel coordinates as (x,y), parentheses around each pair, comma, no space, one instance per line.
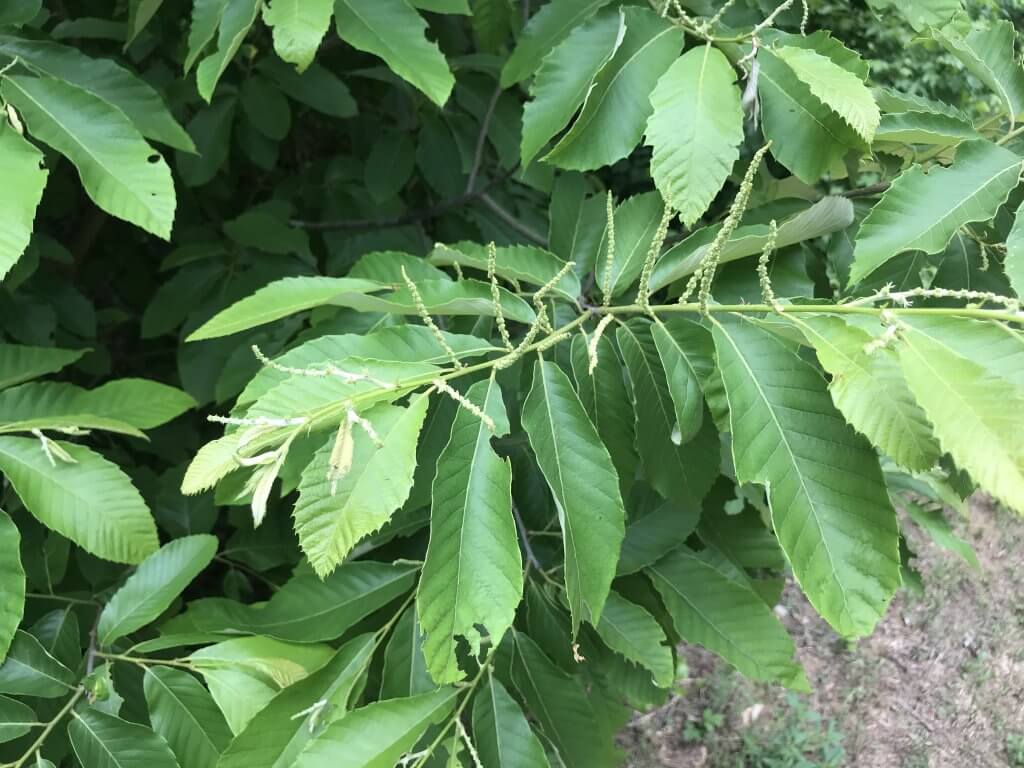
(512,221)
(90,656)
(79,692)
(481,139)
(531,557)
(872,189)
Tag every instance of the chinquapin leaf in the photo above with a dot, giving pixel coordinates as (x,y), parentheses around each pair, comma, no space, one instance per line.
(584,484)
(377,735)
(695,130)
(631,631)
(29,670)
(100,740)
(501,732)
(868,387)
(184,714)
(275,736)
(636,222)
(16,719)
(932,522)
(12,582)
(121,172)
(987,53)
(922,210)
(685,350)
(299,27)
(651,536)
(159,579)
(20,363)
(524,263)
(405,667)
(727,618)
(472,578)
(22,166)
(232,20)
(89,500)
(335,512)
(828,501)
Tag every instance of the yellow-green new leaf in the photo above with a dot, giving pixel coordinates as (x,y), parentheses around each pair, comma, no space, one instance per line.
(978,416)
(377,735)
(104,741)
(122,174)
(472,576)
(869,389)
(922,210)
(828,500)
(299,27)
(233,19)
(21,167)
(91,501)
(695,130)
(585,486)
(392,30)
(12,582)
(278,299)
(334,512)
(838,88)
(727,618)
(149,591)
(988,54)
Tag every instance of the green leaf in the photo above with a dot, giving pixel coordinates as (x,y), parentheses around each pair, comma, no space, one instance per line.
(124,405)
(333,515)
(616,109)
(524,263)
(996,347)
(21,165)
(564,79)
(29,670)
(16,719)
(278,299)
(657,533)
(104,741)
(977,415)
(727,618)
(1013,264)
(562,706)
(924,128)
(472,579)
(576,222)
(460,7)
(830,214)
(934,523)
(807,137)
(405,343)
(636,222)
(501,732)
(106,80)
(140,13)
(405,668)
(22,363)
(245,673)
(120,171)
(607,402)
(921,13)
(584,484)
(377,735)
(868,387)
(695,130)
(234,18)
(12,582)
(316,87)
(681,472)
(185,715)
(159,579)
(275,736)
(392,30)
(308,609)
(544,31)
(838,88)
(299,27)
(988,54)
(685,349)
(91,501)
(442,297)
(828,501)
(922,210)
(18,12)
(631,631)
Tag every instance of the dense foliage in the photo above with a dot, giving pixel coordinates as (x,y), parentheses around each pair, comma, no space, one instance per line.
(495,349)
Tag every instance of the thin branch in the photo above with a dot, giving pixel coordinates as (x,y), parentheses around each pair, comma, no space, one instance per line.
(38,743)
(524,230)
(873,189)
(481,139)
(531,557)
